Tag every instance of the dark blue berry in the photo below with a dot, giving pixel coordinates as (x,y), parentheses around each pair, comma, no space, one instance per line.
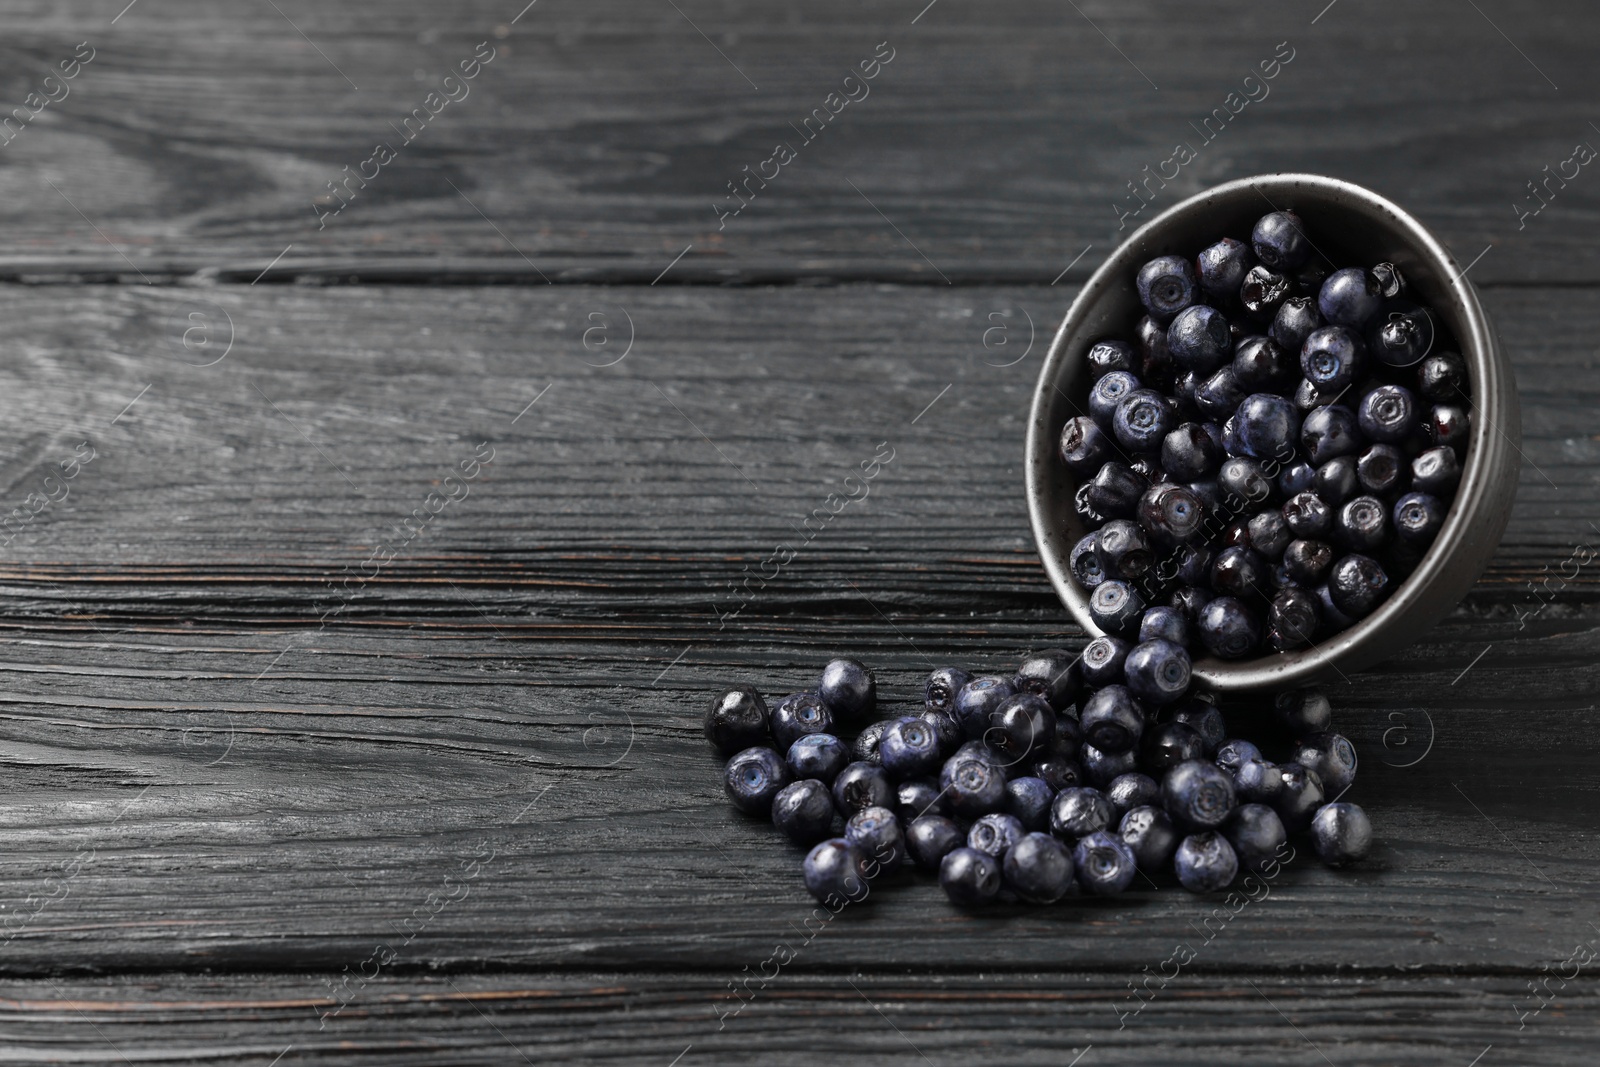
(1263,292)
(1233,753)
(909,748)
(1296,318)
(860,786)
(1023,726)
(1199,339)
(1270,534)
(1295,478)
(1332,359)
(737,720)
(848,689)
(1198,795)
(1079,812)
(1307,396)
(803,812)
(1105,866)
(1112,719)
(1157,671)
(1107,393)
(976,700)
(1229,629)
(1381,470)
(1102,768)
(1436,471)
(1142,419)
(1336,481)
(917,797)
(1332,614)
(930,838)
(1268,426)
(1059,771)
(1155,362)
(1220,394)
(1166,286)
(1109,355)
(1293,619)
(1259,781)
(969,877)
(1400,334)
(1307,561)
(1221,267)
(1357,584)
(1363,524)
(1299,797)
(1028,799)
(1241,573)
(876,834)
(1173,514)
(1256,834)
(972,785)
(1442,378)
(836,871)
(1084,560)
(1390,282)
(1189,453)
(1244,480)
(1084,446)
(1329,431)
(1102,661)
(1417,517)
(1115,490)
(1038,868)
(1165,624)
(994,833)
(1389,414)
(1170,744)
(1349,298)
(1147,832)
(1333,758)
(819,756)
(1205,863)
(1303,711)
(1115,607)
(1086,511)
(1260,364)
(1341,834)
(1194,564)
(1129,791)
(1051,675)
(797,715)
(1206,720)
(753,777)
(1123,549)
(1447,424)
(945,729)
(1280,242)
(864,749)
(1209,492)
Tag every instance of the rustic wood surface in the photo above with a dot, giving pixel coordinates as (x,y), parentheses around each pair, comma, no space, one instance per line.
(273,801)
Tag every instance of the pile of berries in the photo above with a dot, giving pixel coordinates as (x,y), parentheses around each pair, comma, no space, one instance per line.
(1064,778)
(1272,454)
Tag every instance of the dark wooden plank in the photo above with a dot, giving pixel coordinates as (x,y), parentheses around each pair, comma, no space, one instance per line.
(1001,139)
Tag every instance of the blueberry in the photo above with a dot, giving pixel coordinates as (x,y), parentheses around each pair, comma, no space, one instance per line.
(1245,480)
(1086,511)
(1363,524)
(1256,834)
(1102,661)
(1155,361)
(969,877)
(1051,675)
(1341,834)
(1102,768)
(1417,517)
(1173,514)
(1296,318)
(1294,478)
(1194,564)
(1105,866)
(819,756)
(848,689)
(1336,481)
(1148,833)
(877,835)
(1123,550)
(1333,758)
(1221,267)
(1332,614)
(1023,726)
(1263,292)
(1115,607)
(1442,377)
(1389,414)
(1166,286)
(917,797)
(1058,771)
(1199,339)
(1228,629)
(1381,470)
(753,777)
(1308,396)
(1205,863)
(1280,242)
(1206,720)
(1109,355)
(1170,744)
(1261,364)
(1028,799)
(945,729)
(1107,393)
(1084,446)
(1357,584)
(737,720)
(1447,424)
(1390,282)
(1112,719)
(1166,624)
(1084,562)
(972,785)
(836,870)
(1307,561)
(1400,334)
(1332,358)
(930,838)
(1068,735)
(860,786)
(1330,431)
(1129,791)
(1142,419)
(1219,395)
(803,812)
(1146,467)
(1350,297)
(797,715)
(1233,753)
(1038,868)
(1436,471)
(1157,671)
(1259,781)
(1079,812)
(1268,426)
(1209,492)
(1303,711)
(994,833)
(1299,796)
(1270,534)
(1293,619)
(909,748)
(1198,795)
(1115,489)
(864,749)
(1240,573)
(1189,453)
(975,700)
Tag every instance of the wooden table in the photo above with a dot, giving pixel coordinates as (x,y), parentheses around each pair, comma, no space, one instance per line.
(352,689)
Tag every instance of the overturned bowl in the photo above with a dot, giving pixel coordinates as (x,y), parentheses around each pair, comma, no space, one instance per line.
(1352,225)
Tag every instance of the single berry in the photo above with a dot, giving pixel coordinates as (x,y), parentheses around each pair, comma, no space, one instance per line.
(1329,431)
(1279,241)
(1166,286)
(1417,517)
(1221,267)
(1442,377)
(909,748)
(1447,424)
(1155,362)
(848,689)
(753,777)
(1028,799)
(994,833)
(1240,573)
(1296,318)
(1357,583)
(1363,524)
(876,834)
(1262,365)
(797,715)
(1299,797)
(969,877)
(1102,768)
(1205,863)
(1308,516)
(835,870)
(1350,297)
(1295,478)
(803,812)
(1079,812)
(1129,791)
(1105,866)
(1229,629)
(1123,550)
(860,786)
(1157,671)
(1332,358)
(1389,414)
(1189,452)
(737,720)
(1051,675)
(1038,868)
(976,700)
(1112,719)
(1293,619)
(1401,334)
(1198,795)
(1172,514)
(1165,624)
(1436,471)
(1304,711)
(916,797)
(1332,756)
(819,756)
(1258,781)
(1115,490)
(1233,753)
(1115,607)
(864,749)
(930,838)
(1142,419)
(1270,534)
(1268,426)
(1219,395)
(972,785)
(1341,834)
(1390,282)
(1263,292)
(1382,470)
(1256,834)
(1170,744)
(1148,833)
(1059,772)
(1336,480)
(1109,355)
(1245,481)
(1084,446)
(1084,560)
(1102,661)
(945,729)
(1022,726)
(1199,339)
(1307,561)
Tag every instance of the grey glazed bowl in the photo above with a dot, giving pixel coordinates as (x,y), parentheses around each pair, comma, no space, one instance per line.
(1352,226)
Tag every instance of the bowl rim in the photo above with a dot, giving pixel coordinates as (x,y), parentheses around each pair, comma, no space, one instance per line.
(1478,511)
